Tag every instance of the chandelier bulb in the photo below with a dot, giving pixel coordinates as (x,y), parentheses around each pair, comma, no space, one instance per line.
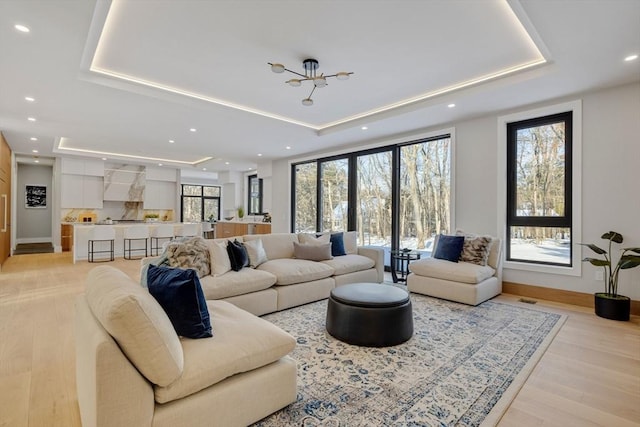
(277,68)
(294,82)
(320,81)
(342,75)
(307,102)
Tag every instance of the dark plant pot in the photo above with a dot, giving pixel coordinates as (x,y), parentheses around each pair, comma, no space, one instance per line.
(612,307)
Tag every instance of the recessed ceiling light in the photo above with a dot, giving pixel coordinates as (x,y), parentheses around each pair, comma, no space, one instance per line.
(451,105)
(33,138)
(34,151)
(364,128)
(193,129)
(259,154)
(226,163)
(631,58)
(171,141)
(104,158)
(287,147)
(204,169)
(37,161)
(21,28)
(159,164)
(29,98)
(31,119)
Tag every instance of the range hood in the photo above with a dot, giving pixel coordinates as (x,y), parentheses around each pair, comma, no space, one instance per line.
(124,183)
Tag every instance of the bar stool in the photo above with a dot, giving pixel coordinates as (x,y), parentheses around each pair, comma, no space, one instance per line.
(161,232)
(135,233)
(100,233)
(207,230)
(187,230)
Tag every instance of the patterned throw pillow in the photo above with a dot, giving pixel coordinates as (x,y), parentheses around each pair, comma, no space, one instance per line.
(189,253)
(475,249)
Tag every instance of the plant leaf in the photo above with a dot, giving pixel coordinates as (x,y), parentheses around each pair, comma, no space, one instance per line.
(594,248)
(613,236)
(636,250)
(598,262)
(629,261)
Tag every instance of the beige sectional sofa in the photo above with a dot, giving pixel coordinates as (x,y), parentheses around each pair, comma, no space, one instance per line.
(284,281)
(132,369)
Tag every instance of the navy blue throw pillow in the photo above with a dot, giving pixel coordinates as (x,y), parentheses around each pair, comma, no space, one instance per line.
(449,247)
(337,243)
(238,255)
(180,295)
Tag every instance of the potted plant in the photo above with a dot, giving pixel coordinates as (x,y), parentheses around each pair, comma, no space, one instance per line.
(609,304)
(240,212)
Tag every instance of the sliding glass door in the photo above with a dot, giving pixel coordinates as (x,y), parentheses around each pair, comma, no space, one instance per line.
(395,197)
(425,193)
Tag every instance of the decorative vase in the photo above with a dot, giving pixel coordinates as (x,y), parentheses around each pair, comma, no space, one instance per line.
(612,307)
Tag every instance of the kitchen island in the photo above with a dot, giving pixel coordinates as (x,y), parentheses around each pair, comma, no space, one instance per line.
(81,236)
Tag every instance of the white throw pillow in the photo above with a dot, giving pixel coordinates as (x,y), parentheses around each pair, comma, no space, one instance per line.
(311,239)
(220,263)
(256,252)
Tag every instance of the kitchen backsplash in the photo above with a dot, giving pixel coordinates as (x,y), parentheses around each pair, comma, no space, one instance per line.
(117,211)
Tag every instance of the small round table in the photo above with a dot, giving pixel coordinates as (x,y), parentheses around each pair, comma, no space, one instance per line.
(402,257)
(370,315)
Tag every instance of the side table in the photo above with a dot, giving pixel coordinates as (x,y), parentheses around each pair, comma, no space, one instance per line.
(402,258)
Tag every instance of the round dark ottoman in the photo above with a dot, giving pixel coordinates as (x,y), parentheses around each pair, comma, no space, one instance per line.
(370,314)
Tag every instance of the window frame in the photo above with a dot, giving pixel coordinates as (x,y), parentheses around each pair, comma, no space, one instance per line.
(260,195)
(202,200)
(575,215)
(513,220)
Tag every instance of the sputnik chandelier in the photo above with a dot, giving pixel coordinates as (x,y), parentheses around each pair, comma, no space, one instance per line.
(310,74)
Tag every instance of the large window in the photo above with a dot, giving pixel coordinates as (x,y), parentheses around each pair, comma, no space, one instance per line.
(397,196)
(539,197)
(200,203)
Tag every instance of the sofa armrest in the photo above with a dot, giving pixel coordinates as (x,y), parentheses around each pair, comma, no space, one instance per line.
(377,255)
(111,391)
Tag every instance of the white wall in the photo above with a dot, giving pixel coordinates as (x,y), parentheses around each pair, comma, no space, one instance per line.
(610,187)
(33,225)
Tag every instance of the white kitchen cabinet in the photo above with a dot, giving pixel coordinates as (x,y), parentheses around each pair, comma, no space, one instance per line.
(82,167)
(160,195)
(80,191)
(161,174)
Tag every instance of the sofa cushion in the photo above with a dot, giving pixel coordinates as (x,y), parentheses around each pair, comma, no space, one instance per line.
(220,262)
(291,271)
(313,252)
(238,256)
(349,264)
(350,242)
(192,252)
(256,252)
(235,283)
(464,272)
(276,245)
(314,239)
(180,295)
(449,247)
(242,342)
(137,322)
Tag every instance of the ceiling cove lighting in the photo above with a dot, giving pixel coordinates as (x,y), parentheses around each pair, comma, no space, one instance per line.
(310,74)
(21,28)
(631,58)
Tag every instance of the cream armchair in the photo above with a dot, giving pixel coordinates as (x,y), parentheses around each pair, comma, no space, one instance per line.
(462,281)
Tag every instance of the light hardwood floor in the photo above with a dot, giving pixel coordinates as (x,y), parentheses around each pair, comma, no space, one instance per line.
(589,376)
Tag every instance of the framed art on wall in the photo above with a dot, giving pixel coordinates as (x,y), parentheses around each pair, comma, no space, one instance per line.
(36,196)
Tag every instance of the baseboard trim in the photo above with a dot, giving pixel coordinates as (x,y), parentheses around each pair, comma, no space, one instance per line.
(557,295)
(34,240)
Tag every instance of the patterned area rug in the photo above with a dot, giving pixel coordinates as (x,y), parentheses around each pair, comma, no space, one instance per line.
(462,367)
